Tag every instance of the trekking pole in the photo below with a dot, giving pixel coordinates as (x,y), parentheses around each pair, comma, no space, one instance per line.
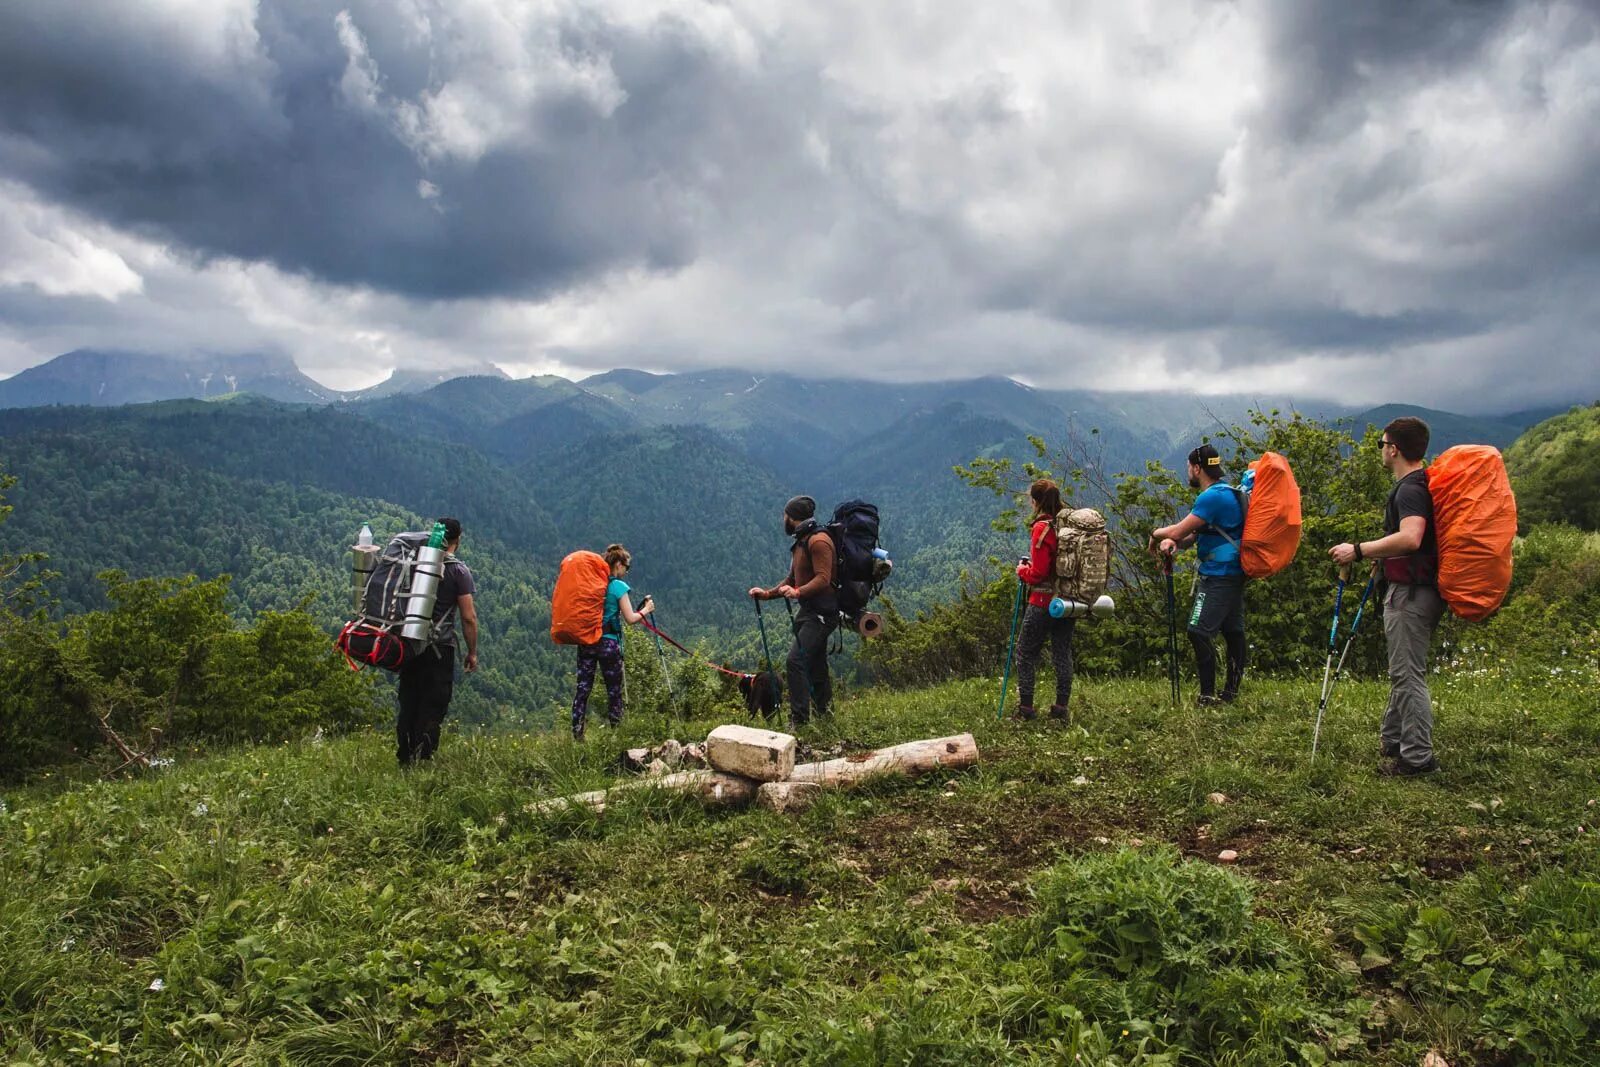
(766,649)
(1011,647)
(1355,623)
(1172,632)
(1327,670)
(661,653)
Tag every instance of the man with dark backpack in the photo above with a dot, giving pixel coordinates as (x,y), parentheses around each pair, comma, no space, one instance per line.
(1215,526)
(427,680)
(1412,606)
(810,584)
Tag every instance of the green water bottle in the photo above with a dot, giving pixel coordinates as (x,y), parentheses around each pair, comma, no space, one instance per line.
(436,539)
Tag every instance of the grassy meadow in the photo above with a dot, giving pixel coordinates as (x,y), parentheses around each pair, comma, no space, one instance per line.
(1061,903)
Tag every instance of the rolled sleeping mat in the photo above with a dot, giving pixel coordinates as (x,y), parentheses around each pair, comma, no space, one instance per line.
(424,594)
(869,624)
(1103,608)
(363,561)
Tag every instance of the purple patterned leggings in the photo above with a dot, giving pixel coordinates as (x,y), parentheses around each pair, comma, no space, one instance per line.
(607,654)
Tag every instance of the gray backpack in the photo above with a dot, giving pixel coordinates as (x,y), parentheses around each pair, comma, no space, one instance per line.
(1083,556)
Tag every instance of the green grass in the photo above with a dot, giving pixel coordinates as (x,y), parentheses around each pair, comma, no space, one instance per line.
(312,904)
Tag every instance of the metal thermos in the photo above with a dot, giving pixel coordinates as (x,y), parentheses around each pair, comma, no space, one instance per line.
(425,578)
(363,561)
(424,593)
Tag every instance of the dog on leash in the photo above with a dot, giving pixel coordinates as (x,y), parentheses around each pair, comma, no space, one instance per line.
(762,692)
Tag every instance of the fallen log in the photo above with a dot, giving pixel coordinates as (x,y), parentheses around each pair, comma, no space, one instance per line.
(910,759)
(712,787)
(718,789)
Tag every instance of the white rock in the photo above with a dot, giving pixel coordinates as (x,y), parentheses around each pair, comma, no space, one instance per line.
(656,769)
(670,752)
(1433,1059)
(694,755)
(765,755)
(788,796)
(636,759)
(1216,798)
(1227,855)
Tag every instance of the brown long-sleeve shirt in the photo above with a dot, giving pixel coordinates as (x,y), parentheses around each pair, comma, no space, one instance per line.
(811,568)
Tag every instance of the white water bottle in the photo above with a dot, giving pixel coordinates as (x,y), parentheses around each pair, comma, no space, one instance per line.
(364,539)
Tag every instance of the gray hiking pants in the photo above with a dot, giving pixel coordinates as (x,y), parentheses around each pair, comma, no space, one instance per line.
(1410,615)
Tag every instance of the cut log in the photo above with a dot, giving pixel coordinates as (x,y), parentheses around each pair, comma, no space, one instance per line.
(910,759)
(787,796)
(720,789)
(712,787)
(765,755)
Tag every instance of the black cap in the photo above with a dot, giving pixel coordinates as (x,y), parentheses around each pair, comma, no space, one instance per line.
(800,508)
(1206,457)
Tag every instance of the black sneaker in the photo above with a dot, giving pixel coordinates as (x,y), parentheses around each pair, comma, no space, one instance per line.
(1061,713)
(1208,701)
(1229,696)
(1026,713)
(1389,751)
(1401,769)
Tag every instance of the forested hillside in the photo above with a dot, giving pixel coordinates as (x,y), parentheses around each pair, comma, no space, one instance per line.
(690,471)
(1556,470)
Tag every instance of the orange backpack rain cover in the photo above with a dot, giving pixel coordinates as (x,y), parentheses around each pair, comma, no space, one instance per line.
(1475,520)
(1272,525)
(578,606)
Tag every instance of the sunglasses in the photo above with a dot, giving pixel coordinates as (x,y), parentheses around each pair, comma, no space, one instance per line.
(1382,444)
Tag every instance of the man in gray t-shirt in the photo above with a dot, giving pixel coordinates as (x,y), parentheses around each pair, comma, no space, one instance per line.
(427,681)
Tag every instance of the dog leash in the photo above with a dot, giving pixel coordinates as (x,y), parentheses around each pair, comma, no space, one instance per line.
(729,671)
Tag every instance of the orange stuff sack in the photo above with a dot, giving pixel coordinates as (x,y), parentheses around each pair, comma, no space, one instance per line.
(1475,520)
(578,606)
(1272,522)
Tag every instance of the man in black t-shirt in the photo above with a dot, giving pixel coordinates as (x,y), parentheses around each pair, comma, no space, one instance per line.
(1412,606)
(427,681)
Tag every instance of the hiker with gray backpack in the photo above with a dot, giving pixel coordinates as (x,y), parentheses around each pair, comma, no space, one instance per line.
(408,598)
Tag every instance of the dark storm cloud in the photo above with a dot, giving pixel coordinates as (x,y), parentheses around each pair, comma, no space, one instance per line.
(1135,190)
(263,154)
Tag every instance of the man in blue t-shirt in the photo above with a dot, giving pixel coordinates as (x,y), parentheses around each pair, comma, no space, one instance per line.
(1214,527)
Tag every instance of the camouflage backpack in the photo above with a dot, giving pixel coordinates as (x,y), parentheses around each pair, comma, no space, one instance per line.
(1083,556)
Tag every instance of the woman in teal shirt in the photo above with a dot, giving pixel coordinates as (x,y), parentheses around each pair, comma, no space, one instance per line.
(606,653)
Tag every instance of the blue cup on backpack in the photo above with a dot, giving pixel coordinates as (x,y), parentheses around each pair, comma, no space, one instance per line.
(1058,607)
(880,553)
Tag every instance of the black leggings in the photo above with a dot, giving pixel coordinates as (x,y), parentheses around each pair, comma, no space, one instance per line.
(1037,626)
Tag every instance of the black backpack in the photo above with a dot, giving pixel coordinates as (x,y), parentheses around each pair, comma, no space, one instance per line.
(857,574)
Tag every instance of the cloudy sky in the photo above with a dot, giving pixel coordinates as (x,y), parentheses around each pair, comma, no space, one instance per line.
(1363,200)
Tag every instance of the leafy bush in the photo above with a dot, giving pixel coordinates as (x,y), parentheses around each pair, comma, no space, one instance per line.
(166,664)
(1172,952)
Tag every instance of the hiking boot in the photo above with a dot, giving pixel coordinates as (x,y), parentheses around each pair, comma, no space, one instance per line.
(1401,769)
(577,733)
(1061,713)
(1209,701)
(1229,696)
(1026,713)
(1388,751)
